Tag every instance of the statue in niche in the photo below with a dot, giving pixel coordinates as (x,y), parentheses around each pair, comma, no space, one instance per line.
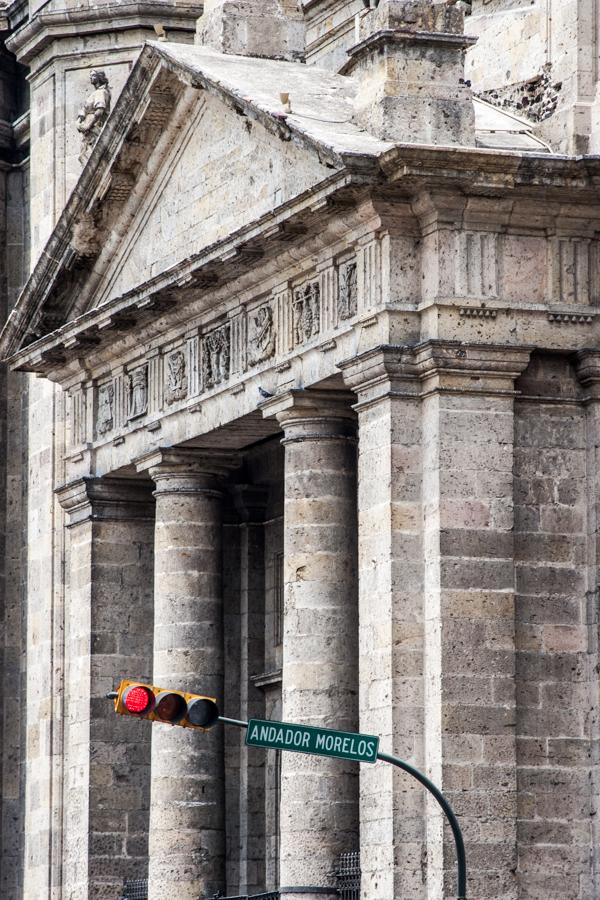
(262,336)
(307,312)
(94,113)
(348,292)
(138,392)
(177,382)
(106,396)
(216,357)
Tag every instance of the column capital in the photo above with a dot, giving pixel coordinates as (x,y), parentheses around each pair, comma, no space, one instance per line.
(312,414)
(434,366)
(187,469)
(106,498)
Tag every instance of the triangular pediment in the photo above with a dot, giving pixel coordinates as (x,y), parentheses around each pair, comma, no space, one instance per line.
(217,172)
(199,149)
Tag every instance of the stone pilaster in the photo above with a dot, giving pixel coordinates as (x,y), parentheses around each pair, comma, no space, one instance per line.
(108,636)
(319,797)
(187,813)
(250,504)
(435,474)
(391,618)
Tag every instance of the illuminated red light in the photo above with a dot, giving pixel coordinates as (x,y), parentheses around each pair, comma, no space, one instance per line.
(138,699)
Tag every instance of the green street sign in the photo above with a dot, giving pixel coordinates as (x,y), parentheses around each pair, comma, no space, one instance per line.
(307,739)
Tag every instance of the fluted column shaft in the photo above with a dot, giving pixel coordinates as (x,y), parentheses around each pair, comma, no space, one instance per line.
(187,826)
(319,797)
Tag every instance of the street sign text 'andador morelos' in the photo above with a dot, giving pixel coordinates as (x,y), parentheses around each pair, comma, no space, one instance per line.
(308,739)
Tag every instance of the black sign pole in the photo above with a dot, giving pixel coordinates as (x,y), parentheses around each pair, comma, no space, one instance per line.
(448,811)
(433,790)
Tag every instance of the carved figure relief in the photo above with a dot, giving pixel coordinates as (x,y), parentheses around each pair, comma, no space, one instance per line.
(348,292)
(217,355)
(177,383)
(261,338)
(106,396)
(94,113)
(307,312)
(138,392)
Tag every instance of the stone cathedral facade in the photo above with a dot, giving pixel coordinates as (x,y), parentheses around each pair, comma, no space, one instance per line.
(300,408)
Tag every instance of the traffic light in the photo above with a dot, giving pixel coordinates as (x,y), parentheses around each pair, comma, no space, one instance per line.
(146,701)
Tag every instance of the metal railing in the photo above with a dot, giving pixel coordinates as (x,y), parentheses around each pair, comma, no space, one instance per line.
(347,873)
(135,890)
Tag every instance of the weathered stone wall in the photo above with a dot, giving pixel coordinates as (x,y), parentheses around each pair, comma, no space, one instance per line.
(555,620)
(520,41)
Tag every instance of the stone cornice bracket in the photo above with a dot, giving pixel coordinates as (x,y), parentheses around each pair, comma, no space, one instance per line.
(313,415)
(187,470)
(106,499)
(587,367)
(434,366)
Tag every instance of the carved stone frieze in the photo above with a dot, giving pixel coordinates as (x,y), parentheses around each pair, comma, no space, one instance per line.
(105,416)
(348,291)
(261,335)
(216,356)
(306,312)
(138,392)
(177,380)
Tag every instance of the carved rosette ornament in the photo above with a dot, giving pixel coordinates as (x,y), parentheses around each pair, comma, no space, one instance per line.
(94,113)
(261,337)
(105,419)
(348,292)
(216,356)
(177,382)
(307,312)
(138,392)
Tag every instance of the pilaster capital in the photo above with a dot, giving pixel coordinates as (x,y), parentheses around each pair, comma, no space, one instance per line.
(186,470)
(313,414)
(106,499)
(587,367)
(434,366)
(250,502)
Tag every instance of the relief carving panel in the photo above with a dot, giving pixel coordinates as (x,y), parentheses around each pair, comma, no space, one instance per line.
(105,415)
(216,357)
(306,312)
(348,291)
(138,392)
(177,380)
(261,335)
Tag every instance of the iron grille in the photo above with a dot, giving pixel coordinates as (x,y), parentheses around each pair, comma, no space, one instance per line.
(270,895)
(347,874)
(135,890)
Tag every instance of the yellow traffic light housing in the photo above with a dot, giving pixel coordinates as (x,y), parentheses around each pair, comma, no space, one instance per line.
(146,701)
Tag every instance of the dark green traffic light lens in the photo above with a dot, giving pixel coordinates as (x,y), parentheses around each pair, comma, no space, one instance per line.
(202,713)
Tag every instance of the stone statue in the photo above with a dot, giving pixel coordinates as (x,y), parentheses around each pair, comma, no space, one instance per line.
(94,113)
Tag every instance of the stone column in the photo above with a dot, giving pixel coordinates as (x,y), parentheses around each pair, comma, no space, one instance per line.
(319,797)
(437,488)
(108,636)
(187,811)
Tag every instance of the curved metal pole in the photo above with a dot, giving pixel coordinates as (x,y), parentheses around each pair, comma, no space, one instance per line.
(448,811)
(424,780)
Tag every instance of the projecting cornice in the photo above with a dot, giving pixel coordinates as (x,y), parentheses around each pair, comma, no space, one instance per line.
(50,25)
